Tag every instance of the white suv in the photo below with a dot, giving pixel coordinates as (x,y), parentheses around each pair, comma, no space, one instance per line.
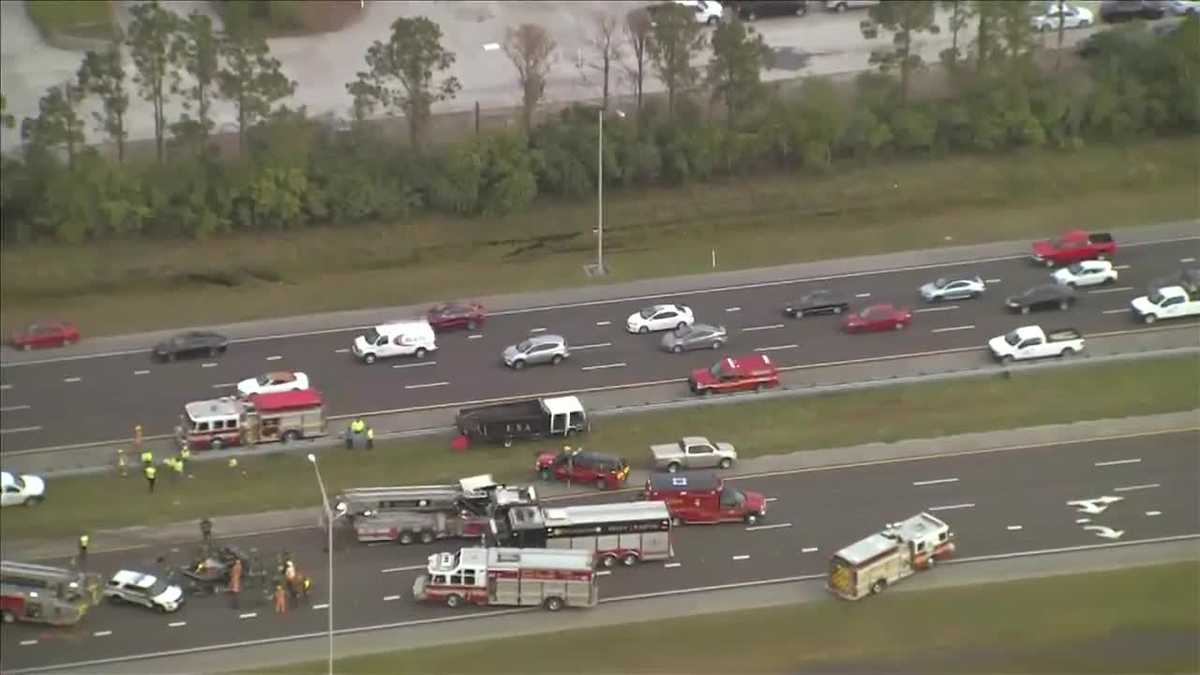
(707,12)
(144,589)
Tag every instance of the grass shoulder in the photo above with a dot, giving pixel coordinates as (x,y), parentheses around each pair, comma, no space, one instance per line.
(289,18)
(756,428)
(73,18)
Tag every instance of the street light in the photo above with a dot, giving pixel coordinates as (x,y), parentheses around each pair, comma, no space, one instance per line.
(329,543)
(600,192)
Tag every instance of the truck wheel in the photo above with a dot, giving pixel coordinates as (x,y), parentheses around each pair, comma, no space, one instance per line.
(454,601)
(369,359)
(427,536)
(547,474)
(554,604)
(8,616)
(609,560)
(629,559)
(726,463)
(677,349)
(1064,305)
(600,484)
(216,444)
(1149,318)
(877,587)
(290,436)
(405,538)
(420,353)
(1007,360)
(1049,263)
(471,325)
(838,309)
(1025,309)
(673,467)
(508,442)
(751,518)
(716,344)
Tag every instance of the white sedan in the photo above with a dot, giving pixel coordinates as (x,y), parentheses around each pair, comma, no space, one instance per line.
(660,317)
(273,383)
(144,589)
(953,289)
(1086,273)
(1071,17)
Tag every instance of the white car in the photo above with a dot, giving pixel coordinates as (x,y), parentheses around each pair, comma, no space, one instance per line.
(144,589)
(1086,273)
(273,383)
(660,317)
(21,490)
(1071,17)
(706,12)
(953,289)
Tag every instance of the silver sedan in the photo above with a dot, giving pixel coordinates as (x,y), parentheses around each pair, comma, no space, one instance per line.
(696,336)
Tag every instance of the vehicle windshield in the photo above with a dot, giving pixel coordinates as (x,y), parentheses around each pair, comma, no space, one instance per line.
(157,588)
(525,346)
(264,380)
(940,283)
(1157,297)
(372,336)
(731,497)
(18,482)
(1077,268)
(648,312)
(1012,338)
(716,371)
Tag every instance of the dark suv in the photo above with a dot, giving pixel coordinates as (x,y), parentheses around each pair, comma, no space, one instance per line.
(749,10)
(1124,10)
(606,472)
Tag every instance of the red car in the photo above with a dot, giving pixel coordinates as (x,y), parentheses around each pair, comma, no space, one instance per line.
(468,315)
(45,334)
(1074,246)
(735,373)
(877,318)
(604,471)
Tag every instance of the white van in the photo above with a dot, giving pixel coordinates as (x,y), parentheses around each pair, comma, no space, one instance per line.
(21,489)
(402,338)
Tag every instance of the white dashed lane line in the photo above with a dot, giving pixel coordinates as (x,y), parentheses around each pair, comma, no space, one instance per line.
(415,365)
(210,364)
(389,598)
(476,336)
(1187,260)
(276,357)
(18,430)
(991,281)
(598,345)
(537,330)
(177,624)
(951,507)
(733,309)
(770,327)
(1154,513)
(936,481)
(5,387)
(603,573)
(741,557)
(810,549)
(1013,528)
(603,323)
(774,526)
(323,605)
(491,46)
(141,372)
(248,615)
(863,295)
(1115,462)
(14,408)
(672,564)
(946,308)
(775,348)
(1131,488)
(426,385)
(1080,521)
(26,643)
(224,385)
(771,499)
(606,365)
(1118,289)
(951,329)
(403,569)
(343,350)
(1115,311)
(72,379)
(102,633)
(1122,267)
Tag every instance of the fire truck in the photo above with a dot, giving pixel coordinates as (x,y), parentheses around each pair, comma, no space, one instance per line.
(43,594)
(258,418)
(509,576)
(900,550)
(627,532)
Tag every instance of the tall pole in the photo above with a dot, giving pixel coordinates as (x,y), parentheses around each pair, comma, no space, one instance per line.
(329,543)
(600,197)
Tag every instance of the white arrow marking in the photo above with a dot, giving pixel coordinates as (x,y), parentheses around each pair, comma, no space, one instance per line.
(951,329)
(1119,461)
(1130,488)
(951,507)
(947,308)
(1154,513)
(1105,532)
(754,328)
(1094,506)
(935,481)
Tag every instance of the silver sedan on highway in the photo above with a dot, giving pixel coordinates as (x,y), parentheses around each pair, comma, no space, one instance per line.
(695,336)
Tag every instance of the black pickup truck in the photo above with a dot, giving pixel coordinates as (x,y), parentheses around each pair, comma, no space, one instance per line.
(520,420)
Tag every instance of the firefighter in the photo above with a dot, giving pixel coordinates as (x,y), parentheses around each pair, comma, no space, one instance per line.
(176,465)
(280,598)
(122,467)
(206,531)
(185,454)
(235,581)
(233,463)
(83,548)
(147,458)
(151,476)
(370,438)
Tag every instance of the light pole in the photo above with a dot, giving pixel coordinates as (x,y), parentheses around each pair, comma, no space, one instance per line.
(329,543)
(600,191)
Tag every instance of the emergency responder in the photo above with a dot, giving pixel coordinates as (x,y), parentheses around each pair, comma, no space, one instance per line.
(175,466)
(233,464)
(185,454)
(235,581)
(122,466)
(151,476)
(83,546)
(370,438)
(280,598)
(206,531)
(357,428)
(147,458)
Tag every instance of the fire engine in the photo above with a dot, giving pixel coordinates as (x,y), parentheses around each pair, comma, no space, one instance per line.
(258,418)
(900,550)
(43,594)
(510,576)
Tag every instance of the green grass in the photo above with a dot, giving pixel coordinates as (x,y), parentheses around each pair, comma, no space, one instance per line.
(78,18)
(118,287)
(759,428)
(1143,619)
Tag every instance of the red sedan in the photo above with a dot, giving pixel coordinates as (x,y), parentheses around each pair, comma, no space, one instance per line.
(45,334)
(469,315)
(877,318)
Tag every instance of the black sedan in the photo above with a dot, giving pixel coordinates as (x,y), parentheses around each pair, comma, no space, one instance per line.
(818,302)
(749,10)
(1046,296)
(191,344)
(1125,10)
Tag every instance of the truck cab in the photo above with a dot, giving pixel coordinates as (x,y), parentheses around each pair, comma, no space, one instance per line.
(703,497)
(1169,302)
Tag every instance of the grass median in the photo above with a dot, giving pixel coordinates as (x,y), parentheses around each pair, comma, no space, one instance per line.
(1141,620)
(757,428)
(77,18)
(890,205)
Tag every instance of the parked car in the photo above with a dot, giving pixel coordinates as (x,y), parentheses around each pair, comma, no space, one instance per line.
(751,10)
(840,6)
(735,373)
(953,289)
(1045,296)
(706,12)
(273,383)
(446,316)
(1070,17)
(143,589)
(660,317)
(1184,7)
(877,318)
(43,334)
(821,301)
(1086,273)
(606,472)
(1112,11)
(191,344)
(550,349)
(1186,277)
(695,336)
(693,452)
(21,489)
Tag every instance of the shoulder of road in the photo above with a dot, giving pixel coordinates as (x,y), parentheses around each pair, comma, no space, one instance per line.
(647,289)
(814,460)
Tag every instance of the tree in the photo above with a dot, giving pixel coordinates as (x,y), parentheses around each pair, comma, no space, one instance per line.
(639,33)
(987,49)
(103,74)
(903,18)
(6,120)
(531,50)
(411,56)
(197,50)
(603,40)
(677,37)
(960,14)
(150,35)
(735,71)
(251,79)
(821,117)
(57,122)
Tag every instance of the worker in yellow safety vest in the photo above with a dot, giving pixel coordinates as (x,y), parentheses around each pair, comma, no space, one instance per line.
(151,476)
(147,458)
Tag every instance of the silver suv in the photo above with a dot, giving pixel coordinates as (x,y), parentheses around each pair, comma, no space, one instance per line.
(550,349)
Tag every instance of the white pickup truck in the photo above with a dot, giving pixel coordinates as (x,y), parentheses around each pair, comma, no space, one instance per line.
(693,452)
(1031,342)
(1170,302)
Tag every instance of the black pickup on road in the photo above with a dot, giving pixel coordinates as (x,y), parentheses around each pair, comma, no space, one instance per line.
(520,420)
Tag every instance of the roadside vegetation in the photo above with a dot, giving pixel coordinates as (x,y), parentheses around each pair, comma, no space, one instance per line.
(308,216)
(285,480)
(75,18)
(278,18)
(1136,620)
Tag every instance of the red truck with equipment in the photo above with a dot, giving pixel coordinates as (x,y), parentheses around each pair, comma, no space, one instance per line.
(1074,246)
(701,497)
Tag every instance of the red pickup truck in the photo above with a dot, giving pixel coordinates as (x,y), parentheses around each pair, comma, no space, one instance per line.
(1073,246)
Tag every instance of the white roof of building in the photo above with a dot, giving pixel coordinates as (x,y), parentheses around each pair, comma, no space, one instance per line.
(603,513)
(562,405)
(217,407)
(139,579)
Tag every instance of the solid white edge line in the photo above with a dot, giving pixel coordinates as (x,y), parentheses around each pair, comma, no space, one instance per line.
(936,481)
(951,329)
(18,430)
(426,385)
(1115,462)
(13,408)
(1130,488)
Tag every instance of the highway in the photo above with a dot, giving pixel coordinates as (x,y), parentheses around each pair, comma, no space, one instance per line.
(54,401)
(997,502)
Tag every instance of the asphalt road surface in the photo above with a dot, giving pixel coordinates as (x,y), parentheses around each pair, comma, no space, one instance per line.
(61,401)
(996,502)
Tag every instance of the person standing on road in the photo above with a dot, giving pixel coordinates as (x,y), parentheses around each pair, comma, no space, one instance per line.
(185,454)
(235,582)
(280,598)
(122,467)
(147,458)
(370,438)
(206,532)
(83,548)
(151,476)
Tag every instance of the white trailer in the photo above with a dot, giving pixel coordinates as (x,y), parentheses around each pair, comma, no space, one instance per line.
(900,550)
(510,576)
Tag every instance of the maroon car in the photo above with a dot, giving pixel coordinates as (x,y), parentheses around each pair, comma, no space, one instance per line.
(45,334)
(469,315)
(877,318)
(604,471)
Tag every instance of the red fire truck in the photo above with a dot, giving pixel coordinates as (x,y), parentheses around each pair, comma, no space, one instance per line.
(258,418)
(509,576)
(43,594)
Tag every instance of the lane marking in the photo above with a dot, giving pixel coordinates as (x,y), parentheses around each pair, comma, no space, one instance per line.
(72,379)
(991,281)
(403,569)
(389,598)
(26,643)
(741,557)
(176,624)
(210,364)
(224,385)
(274,358)
(248,615)
(1013,528)
(343,350)
(733,309)
(862,295)
(1121,267)
(771,499)
(5,387)
(951,507)
(537,330)
(415,365)
(12,408)
(1187,260)
(426,385)
(603,573)
(1154,513)
(1080,521)
(672,564)
(141,372)
(951,329)
(603,323)
(935,481)
(775,526)
(491,46)
(775,348)
(1116,311)
(770,327)
(19,430)
(102,633)
(475,336)
(607,365)
(323,605)
(1130,488)
(1118,289)
(947,308)
(597,345)
(810,549)
(1118,461)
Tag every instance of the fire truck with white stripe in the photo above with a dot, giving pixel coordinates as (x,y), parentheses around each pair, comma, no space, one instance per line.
(899,551)
(509,576)
(44,594)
